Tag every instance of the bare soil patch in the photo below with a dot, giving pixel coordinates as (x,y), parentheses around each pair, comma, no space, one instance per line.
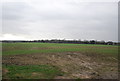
(74,64)
(4,71)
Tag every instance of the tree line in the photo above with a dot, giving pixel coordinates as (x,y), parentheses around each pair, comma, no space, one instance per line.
(65,41)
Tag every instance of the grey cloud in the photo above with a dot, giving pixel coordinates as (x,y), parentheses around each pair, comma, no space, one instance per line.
(62,19)
(13,11)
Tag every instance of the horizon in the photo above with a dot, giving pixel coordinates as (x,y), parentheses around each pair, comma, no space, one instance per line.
(65,40)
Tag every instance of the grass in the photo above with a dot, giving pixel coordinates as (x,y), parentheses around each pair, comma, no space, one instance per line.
(30,48)
(31,71)
(99,53)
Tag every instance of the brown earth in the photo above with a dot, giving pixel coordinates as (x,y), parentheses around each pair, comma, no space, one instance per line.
(74,64)
(4,71)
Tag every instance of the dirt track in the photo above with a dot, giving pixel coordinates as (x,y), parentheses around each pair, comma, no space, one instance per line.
(74,64)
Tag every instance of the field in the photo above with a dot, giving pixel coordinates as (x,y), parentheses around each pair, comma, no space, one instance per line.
(59,61)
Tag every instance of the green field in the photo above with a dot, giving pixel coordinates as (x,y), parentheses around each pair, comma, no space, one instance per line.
(56,60)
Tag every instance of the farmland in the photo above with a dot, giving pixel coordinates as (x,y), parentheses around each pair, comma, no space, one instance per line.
(59,61)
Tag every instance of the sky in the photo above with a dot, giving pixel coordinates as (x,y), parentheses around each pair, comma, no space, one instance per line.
(59,19)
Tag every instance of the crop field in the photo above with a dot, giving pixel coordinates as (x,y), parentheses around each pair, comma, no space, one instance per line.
(59,61)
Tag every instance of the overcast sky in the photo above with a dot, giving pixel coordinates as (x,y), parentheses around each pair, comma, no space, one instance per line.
(59,19)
